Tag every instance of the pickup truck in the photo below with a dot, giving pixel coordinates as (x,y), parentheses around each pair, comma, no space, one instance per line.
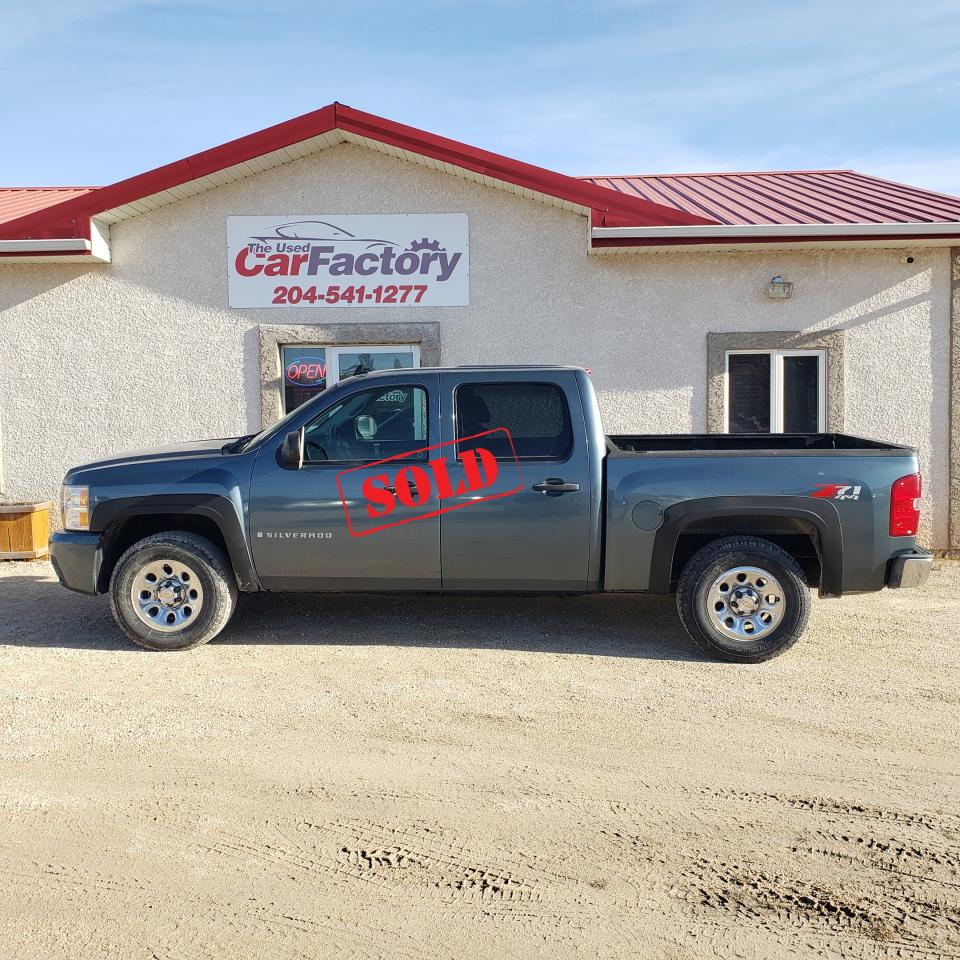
(491,479)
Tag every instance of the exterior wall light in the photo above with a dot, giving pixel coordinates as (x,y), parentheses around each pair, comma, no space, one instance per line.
(780,289)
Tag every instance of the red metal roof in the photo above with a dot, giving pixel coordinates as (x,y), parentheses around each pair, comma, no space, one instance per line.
(714,199)
(19,201)
(71,217)
(789,196)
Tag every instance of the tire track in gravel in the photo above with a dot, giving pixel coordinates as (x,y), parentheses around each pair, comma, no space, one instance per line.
(63,875)
(893,855)
(497,886)
(392,857)
(775,899)
(425,858)
(904,897)
(341,939)
(790,875)
(946,824)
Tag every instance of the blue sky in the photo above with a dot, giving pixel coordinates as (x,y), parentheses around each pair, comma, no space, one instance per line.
(97,90)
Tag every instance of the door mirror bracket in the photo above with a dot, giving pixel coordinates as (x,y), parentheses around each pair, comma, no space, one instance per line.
(290,452)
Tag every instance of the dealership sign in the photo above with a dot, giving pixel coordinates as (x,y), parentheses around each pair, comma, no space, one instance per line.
(361,260)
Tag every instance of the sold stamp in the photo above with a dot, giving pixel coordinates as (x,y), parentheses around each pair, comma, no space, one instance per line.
(429,481)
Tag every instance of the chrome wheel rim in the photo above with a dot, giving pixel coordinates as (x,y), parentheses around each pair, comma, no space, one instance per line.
(746,603)
(167,595)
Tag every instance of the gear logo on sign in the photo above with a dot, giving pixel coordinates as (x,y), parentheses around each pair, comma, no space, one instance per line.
(424,244)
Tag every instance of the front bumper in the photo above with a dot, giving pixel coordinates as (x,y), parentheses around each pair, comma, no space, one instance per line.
(77,558)
(910,569)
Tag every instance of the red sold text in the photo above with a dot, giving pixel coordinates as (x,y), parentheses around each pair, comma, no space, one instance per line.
(395,493)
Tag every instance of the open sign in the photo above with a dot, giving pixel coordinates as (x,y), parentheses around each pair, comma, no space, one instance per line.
(393,493)
(307,371)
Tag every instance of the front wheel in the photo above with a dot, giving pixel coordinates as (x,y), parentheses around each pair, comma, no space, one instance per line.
(743,599)
(172,591)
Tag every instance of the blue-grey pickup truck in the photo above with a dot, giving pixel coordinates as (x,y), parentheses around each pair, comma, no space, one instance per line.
(495,480)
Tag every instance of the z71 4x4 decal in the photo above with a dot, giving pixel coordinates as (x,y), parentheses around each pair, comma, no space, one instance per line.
(837,491)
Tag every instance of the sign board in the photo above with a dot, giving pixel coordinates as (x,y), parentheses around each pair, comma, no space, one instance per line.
(343,260)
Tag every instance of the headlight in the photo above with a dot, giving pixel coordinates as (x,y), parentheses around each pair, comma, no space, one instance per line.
(76,508)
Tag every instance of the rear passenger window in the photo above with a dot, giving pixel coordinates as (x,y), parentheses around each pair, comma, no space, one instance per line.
(536,414)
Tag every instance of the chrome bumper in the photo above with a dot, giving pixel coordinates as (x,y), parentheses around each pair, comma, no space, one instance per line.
(910,569)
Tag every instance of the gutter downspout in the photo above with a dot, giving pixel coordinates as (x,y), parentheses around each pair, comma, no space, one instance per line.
(953,413)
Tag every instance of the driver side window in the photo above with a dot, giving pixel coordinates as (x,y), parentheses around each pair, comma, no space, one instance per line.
(370,425)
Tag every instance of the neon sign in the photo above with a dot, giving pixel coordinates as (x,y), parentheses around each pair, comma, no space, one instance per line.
(307,371)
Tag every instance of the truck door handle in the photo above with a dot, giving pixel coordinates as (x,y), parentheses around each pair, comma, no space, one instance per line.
(554,486)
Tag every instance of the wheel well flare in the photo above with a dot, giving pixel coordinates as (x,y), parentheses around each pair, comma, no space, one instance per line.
(795,536)
(123,533)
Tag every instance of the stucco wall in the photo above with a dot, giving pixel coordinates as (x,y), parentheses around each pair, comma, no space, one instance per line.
(145,350)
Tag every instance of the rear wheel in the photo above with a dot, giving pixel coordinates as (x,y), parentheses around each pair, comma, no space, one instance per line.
(743,599)
(172,591)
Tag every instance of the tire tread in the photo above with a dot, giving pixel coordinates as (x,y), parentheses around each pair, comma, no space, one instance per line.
(224,584)
(704,558)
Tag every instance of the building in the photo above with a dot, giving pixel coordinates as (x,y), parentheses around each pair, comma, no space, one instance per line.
(204,297)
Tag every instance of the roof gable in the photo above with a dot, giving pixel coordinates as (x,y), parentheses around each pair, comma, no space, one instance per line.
(658,211)
(315,131)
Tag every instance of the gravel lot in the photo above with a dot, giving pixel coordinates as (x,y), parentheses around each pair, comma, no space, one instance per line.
(364,777)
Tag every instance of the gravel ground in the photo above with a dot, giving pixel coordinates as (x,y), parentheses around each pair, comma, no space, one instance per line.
(365,777)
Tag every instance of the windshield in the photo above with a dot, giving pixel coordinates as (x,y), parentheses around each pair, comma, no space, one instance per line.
(278,427)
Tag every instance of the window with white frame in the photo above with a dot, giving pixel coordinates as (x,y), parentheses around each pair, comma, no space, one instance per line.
(775,391)
(307,370)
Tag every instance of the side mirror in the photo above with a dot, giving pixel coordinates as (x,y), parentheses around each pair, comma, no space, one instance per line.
(366,427)
(290,454)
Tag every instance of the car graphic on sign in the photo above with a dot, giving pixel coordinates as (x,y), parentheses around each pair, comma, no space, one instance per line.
(318,230)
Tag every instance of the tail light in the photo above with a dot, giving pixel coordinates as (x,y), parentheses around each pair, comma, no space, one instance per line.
(905,506)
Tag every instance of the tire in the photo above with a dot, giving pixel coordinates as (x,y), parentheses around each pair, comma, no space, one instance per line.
(172,591)
(724,608)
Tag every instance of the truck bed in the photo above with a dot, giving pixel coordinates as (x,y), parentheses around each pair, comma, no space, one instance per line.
(771,444)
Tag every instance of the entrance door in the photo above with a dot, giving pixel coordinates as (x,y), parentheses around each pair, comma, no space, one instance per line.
(536,539)
(298,524)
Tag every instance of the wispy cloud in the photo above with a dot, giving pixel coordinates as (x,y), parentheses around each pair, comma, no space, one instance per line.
(35,23)
(930,169)
(610,86)
(578,135)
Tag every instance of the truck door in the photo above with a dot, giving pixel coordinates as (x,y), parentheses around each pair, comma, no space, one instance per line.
(539,538)
(298,525)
